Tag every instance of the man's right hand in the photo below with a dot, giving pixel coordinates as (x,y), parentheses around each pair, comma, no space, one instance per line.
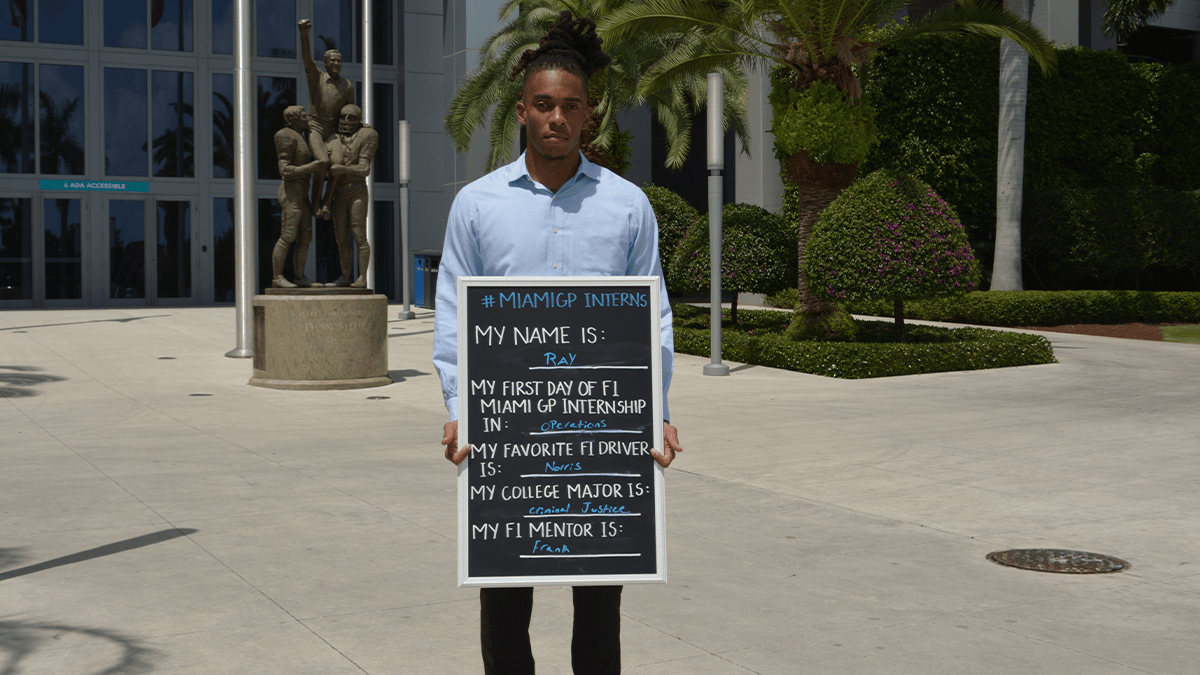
(450,441)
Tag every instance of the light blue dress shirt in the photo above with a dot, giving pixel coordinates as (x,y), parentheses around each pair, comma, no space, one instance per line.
(507,224)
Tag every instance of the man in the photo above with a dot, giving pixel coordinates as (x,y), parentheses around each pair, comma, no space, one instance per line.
(550,213)
(328,92)
(350,152)
(296,164)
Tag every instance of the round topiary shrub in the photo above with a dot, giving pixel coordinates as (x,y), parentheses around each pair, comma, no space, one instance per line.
(674,216)
(890,237)
(758,255)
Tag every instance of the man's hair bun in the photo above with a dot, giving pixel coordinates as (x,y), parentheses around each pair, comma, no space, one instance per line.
(571,44)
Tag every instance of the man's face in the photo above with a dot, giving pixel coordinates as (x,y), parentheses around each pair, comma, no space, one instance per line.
(553,108)
(333,64)
(300,121)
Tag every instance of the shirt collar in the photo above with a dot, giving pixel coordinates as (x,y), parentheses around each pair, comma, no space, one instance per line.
(518,172)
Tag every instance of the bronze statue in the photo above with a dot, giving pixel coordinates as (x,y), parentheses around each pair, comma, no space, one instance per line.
(328,92)
(296,164)
(351,151)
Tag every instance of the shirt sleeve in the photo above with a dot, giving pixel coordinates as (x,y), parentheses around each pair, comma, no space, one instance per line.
(459,258)
(644,261)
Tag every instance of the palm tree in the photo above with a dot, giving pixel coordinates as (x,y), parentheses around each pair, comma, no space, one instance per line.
(62,152)
(827,41)
(1122,18)
(223,137)
(1010,159)
(611,90)
(171,144)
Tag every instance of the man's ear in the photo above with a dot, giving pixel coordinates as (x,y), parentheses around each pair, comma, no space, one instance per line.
(521,112)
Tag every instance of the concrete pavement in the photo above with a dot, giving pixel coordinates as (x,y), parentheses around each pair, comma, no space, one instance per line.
(157,514)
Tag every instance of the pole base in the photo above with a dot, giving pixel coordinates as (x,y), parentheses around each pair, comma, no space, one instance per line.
(716,369)
(240,353)
(406,315)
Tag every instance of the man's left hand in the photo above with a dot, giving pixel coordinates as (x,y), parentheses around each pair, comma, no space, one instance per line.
(670,444)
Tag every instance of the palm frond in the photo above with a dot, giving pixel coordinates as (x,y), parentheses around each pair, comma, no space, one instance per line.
(968,17)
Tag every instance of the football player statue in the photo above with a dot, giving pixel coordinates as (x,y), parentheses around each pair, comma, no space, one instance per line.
(351,151)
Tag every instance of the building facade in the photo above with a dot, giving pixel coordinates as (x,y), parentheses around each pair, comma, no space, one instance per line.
(116,135)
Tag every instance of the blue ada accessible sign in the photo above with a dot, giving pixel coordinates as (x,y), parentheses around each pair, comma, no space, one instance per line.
(95,185)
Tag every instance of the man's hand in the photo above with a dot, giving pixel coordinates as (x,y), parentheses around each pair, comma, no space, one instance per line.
(670,442)
(450,440)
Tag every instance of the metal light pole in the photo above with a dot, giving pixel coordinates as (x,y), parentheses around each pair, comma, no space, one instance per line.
(368,99)
(243,175)
(716,185)
(404,174)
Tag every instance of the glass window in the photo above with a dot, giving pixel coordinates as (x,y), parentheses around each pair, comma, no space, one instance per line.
(64,263)
(223,256)
(172,114)
(21,26)
(16,249)
(222,107)
(125,23)
(60,21)
(382,24)
(125,151)
(333,28)
(61,115)
(384,253)
(277,32)
(174,249)
(16,117)
(385,124)
(171,25)
(270,219)
(127,248)
(222,26)
(274,95)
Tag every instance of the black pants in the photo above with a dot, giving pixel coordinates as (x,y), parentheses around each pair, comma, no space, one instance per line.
(595,638)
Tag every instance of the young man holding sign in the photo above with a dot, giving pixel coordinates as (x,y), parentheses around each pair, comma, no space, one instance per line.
(550,213)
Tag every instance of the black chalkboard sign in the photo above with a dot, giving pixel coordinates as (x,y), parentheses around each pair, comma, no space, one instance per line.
(560,397)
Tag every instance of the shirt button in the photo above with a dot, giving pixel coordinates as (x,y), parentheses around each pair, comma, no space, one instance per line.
(556,230)
(555,265)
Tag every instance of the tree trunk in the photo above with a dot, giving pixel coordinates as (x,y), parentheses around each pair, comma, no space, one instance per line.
(1010,160)
(817,185)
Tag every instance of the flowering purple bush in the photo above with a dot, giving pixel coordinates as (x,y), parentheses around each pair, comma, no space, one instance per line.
(890,237)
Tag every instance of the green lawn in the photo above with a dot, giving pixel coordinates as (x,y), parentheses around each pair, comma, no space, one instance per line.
(1189,334)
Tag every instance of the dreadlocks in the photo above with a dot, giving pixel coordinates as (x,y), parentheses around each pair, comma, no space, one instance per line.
(571,44)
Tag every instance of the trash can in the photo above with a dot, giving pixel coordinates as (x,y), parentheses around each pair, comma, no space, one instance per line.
(425,264)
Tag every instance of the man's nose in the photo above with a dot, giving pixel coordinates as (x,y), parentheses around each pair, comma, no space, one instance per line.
(556,115)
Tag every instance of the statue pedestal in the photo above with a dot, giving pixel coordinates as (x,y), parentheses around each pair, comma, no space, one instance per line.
(315,339)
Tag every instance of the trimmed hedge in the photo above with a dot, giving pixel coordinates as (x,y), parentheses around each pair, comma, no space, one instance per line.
(1048,308)
(675,216)
(758,256)
(761,341)
(1124,238)
(1098,122)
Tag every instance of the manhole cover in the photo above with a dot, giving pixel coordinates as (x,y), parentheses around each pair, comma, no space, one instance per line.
(1058,560)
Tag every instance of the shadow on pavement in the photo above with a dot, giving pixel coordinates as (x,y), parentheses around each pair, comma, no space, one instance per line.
(22,639)
(402,375)
(76,323)
(98,552)
(15,381)
(420,332)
